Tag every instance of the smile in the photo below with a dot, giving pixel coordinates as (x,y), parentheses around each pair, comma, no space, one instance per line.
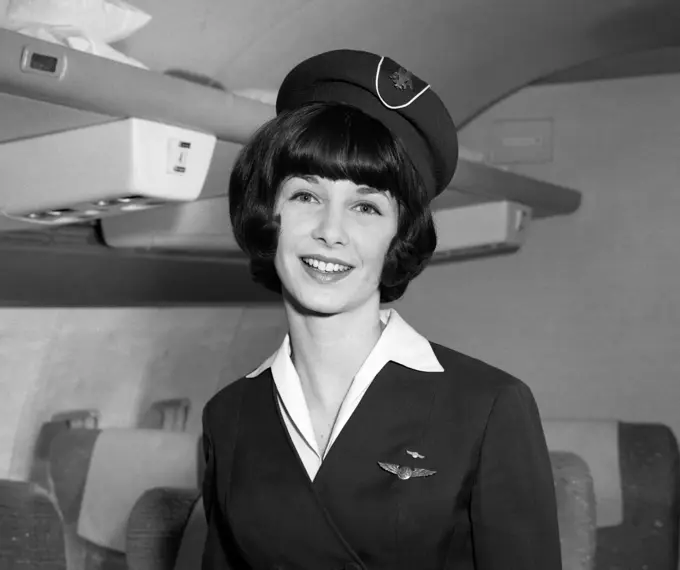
(325,267)
(325,272)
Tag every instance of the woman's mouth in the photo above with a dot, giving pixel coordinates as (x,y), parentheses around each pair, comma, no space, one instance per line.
(325,267)
(325,271)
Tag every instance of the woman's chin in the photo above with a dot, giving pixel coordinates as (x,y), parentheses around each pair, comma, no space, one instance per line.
(320,305)
(314,299)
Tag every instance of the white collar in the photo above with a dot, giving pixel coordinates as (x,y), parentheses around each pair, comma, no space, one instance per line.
(399,342)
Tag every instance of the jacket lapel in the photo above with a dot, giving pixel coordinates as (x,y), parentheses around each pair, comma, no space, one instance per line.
(356,493)
(352,508)
(272,500)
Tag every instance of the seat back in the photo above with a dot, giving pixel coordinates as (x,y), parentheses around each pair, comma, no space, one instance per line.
(635,469)
(31,534)
(575,496)
(68,465)
(166,530)
(98,475)
(647,536)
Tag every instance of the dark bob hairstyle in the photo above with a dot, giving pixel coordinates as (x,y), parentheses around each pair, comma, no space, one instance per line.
(337,142)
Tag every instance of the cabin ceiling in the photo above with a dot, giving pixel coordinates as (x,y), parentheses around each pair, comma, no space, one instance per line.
(473,52)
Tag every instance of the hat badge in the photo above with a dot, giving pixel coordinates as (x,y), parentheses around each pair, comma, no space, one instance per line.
(402,79)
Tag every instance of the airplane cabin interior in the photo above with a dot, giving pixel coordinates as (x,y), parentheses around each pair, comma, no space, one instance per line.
(126,302)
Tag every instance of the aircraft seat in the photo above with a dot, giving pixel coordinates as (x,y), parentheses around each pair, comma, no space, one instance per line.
(166,530)
(98,475)
(635,470)
(31,534)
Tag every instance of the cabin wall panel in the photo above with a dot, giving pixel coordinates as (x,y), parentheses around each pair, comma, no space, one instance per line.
(119,361)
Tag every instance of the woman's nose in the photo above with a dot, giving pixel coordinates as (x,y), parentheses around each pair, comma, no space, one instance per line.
(331,227)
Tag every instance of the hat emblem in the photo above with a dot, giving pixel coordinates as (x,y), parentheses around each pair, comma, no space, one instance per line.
(402,79)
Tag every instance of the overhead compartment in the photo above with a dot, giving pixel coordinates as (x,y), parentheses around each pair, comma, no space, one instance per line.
(84,137)
(102,170)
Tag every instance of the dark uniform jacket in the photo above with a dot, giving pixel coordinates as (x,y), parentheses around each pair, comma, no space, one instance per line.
(489,505)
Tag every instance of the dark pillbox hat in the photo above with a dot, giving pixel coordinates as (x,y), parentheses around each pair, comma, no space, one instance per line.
(389,93)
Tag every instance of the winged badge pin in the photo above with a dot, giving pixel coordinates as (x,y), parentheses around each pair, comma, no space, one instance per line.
(404,472)
(415,454)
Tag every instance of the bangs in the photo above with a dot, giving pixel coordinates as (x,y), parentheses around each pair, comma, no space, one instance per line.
(340,142)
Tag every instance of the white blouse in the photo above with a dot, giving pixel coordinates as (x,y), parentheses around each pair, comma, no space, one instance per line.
(399,342)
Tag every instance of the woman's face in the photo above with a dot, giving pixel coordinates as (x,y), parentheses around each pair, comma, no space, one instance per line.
(333,239)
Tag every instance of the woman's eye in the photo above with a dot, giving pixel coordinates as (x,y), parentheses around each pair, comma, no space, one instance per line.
(366,208)
(303,197)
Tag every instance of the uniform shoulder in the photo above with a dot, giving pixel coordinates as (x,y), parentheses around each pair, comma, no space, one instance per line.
(473,374)
(226,401)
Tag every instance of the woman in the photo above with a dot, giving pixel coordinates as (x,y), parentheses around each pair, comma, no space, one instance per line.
(359,444)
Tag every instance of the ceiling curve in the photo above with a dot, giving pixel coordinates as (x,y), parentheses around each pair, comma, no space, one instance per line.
(473,52)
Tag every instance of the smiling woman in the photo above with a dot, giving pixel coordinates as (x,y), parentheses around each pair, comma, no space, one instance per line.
(378,448)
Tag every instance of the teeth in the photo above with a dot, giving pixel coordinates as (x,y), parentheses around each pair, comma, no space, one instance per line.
(325,267)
